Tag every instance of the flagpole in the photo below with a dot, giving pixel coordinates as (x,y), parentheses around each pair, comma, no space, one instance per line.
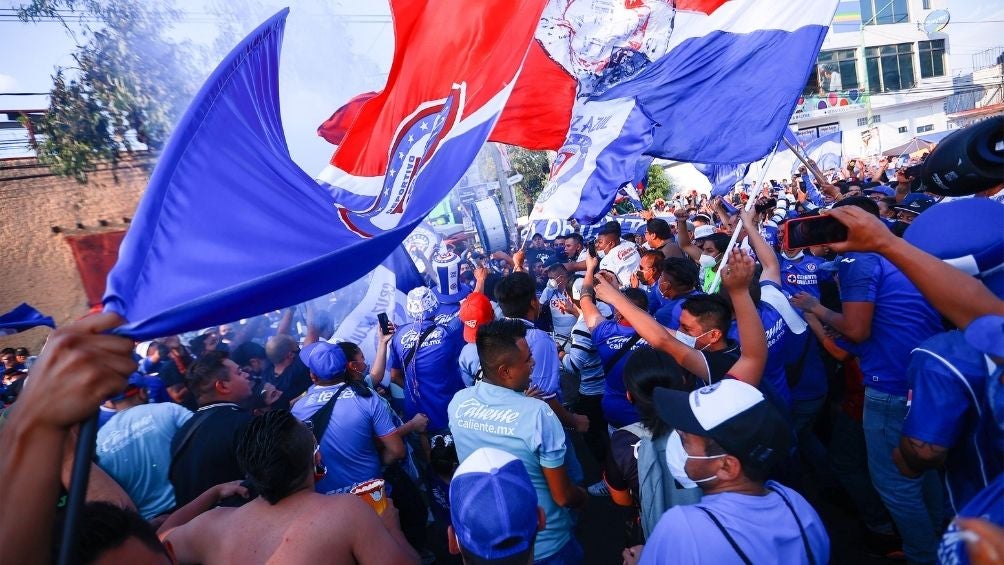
(811,166)
(735,234)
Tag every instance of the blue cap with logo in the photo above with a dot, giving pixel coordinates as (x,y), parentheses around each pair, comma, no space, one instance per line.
(493,507)
(966,234)
(324,359)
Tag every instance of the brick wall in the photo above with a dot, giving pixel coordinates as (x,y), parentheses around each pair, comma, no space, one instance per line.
(37,265)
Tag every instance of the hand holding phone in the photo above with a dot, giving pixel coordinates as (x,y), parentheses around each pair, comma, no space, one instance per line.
(384,323)
(592,249)
(808,231)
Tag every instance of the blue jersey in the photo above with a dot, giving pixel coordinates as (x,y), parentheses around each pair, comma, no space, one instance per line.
(950,408)
(987,505)
(347,444)
(669,314)
(656,300)
(432,375)
(609,338)
(486,415)
(812,384)
(902,319)
(802,275)
(778,352)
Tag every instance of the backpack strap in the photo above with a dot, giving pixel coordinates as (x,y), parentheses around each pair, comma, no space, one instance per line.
(728,536)
(801,529)
(196,422)
(320,420)
(418,344)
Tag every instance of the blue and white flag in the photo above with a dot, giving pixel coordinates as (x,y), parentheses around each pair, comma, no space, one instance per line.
(723,178)
(719,89)
(605,141)
(22,318)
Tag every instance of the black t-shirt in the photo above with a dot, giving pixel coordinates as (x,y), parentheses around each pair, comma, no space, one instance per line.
(293,381)
(208,456)
(620,470)
(719,363)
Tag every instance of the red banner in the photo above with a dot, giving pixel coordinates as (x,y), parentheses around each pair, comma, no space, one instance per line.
(95,254)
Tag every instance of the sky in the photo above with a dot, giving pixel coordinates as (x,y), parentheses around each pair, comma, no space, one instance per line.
(334,50)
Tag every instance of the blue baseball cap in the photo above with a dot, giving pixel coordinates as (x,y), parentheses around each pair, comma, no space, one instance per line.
(966,234)
(880,189)
(324,359)
(986,335)
(493,507)
(915,203)
(136,382)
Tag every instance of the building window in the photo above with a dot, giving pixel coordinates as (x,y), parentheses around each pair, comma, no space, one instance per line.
(902,129)
(862,122)
(881,12)
(932,58)
(927,4)
(890,67)
(928,127)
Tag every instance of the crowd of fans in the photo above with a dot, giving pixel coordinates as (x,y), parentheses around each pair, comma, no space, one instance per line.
(719,389)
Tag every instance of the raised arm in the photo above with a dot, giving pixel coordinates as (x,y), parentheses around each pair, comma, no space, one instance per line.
(736,280)
(764,253)
(652,331)
(688,247)
(587,302)
(956,295)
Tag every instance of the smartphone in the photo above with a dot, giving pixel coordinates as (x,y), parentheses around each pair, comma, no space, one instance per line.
(592,249)
(384,323)
(813,230)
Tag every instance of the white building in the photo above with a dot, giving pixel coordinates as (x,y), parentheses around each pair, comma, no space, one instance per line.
(880,86)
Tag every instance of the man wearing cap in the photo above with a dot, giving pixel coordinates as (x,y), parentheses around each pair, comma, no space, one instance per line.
(423,360)
(493,510)
(359,421)
(202,452)
(617,256)
(134,447)
(496,413)
(732,438)
(886,317)
(908,210)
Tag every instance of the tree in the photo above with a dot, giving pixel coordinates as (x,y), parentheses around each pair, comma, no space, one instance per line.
(535,167)
(128,88)
(659,186)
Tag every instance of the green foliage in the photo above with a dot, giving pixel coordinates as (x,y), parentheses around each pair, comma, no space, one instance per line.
(659,186)
(128,79)
(534,166)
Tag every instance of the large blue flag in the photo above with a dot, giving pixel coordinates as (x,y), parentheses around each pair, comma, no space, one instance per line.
(230,227)
(22,318)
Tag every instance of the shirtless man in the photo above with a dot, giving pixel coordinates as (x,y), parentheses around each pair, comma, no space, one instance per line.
(289,522)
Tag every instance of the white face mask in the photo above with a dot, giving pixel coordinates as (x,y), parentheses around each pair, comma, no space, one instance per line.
(676,460)
(796,256)
(689,340)
(601,253)
(707,261)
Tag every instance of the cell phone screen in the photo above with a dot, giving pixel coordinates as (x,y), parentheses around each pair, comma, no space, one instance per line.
(384,323)
(813,230)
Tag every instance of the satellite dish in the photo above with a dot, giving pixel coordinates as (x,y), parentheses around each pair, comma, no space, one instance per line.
(936,21)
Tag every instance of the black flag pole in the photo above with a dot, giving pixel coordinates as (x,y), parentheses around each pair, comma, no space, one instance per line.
(83,453)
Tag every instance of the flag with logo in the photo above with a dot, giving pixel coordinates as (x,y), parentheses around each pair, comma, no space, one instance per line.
(710,81)
(230,227)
